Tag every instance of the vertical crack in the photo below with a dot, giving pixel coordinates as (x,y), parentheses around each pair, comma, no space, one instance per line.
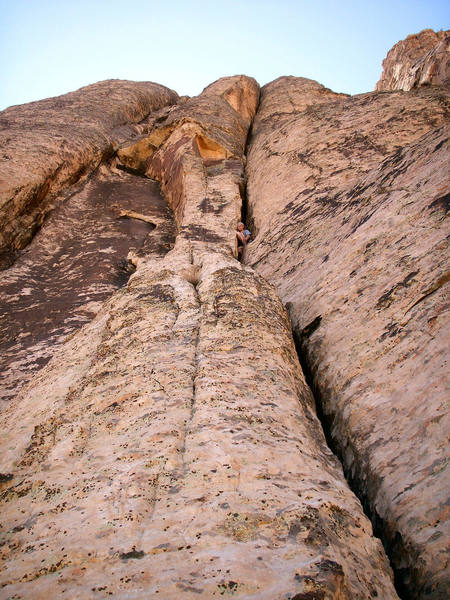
(326,422)
(246,215)
(193,404)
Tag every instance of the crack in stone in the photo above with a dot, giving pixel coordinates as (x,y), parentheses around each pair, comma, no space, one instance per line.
(187,429)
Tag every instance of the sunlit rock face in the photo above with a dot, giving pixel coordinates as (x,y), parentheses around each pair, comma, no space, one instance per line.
(420,59)
(348,197)
(159,439)
(47,146)
(171,449)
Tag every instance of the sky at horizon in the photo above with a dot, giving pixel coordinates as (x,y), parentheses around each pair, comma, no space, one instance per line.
(51,47)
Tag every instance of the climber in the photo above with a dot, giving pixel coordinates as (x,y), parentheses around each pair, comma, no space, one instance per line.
(243,237)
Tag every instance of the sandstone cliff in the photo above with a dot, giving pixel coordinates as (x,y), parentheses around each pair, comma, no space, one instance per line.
(351,230)
(49,145)
(171,447)
(421,59)
(73,264)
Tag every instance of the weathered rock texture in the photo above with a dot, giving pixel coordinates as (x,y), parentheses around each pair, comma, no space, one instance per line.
(421,59)
(49,145)
(348,199)
(171,448)
(72,265)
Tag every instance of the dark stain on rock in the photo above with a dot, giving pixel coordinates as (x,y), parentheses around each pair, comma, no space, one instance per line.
(124,266)
(315,595)
(207,206)
(330,565)
(132,554)
(137,172)
(212,205)
(307,331)
(441,203)
(369,245)
(388,297)
(15,491)
(200,234)
(395,158)
(189,588)
(228,587)
(356,192)
(328,201)
(160,292)
(295,528)
(299,210)
(390,331)
(441,143)
(7,258)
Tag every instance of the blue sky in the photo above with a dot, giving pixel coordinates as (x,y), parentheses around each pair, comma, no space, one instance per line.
(50,47)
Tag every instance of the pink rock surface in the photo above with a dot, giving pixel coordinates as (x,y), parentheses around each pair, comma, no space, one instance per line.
(348,199)
(171,449)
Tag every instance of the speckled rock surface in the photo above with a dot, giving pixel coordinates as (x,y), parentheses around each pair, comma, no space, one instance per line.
(76,261)
(47,146)
(351,230)
(171,448)
(420,59)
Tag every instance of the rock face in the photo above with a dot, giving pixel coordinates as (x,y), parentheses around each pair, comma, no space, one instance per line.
(47,146)
(420,59)
(348,198)
(58,283)
(171,449)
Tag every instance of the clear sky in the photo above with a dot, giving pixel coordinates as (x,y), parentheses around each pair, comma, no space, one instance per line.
(50,47)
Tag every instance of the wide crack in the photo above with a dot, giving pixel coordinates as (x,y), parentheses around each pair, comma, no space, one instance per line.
(326,422)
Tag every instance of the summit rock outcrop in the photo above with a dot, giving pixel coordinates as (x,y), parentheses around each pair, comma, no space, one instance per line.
(420,59)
